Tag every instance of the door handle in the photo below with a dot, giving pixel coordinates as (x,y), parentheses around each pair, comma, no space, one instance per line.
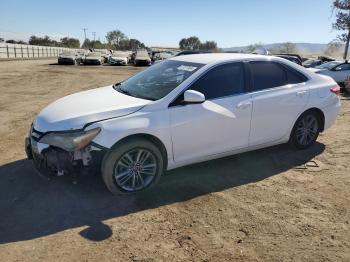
(244,105)
(301,93)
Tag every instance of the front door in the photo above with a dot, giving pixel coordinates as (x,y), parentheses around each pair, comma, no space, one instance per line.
(219,124)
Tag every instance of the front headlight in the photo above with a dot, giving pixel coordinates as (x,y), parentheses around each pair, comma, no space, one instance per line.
(70,141)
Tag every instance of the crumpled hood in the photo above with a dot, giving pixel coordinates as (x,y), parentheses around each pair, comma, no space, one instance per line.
(76,110)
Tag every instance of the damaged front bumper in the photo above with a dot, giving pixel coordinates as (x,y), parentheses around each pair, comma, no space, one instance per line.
(53,161)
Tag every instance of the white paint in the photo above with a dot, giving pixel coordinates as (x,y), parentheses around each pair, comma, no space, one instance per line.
(197,132)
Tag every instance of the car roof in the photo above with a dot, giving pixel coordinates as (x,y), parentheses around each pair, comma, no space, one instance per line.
(218,57)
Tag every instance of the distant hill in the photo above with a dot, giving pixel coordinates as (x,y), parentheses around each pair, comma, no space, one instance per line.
(303,48)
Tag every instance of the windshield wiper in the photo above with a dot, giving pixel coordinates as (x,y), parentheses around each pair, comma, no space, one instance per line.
(119,89)
(126,92)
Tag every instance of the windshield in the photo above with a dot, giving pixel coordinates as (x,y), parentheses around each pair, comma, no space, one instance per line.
(310,62)
(68,53)
(142,54)
(163,55)
(94,54)
(328,65)
(158,80)
(124,54)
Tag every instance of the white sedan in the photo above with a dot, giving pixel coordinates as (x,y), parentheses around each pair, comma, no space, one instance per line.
(119,58)
(340,72)
(184,110)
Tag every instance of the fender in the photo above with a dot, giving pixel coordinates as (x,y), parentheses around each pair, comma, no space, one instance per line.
(154,123)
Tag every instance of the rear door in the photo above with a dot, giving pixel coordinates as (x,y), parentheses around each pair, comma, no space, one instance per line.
(219,124)
(279,95)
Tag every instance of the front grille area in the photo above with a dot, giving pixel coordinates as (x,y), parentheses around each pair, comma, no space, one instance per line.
(36,135)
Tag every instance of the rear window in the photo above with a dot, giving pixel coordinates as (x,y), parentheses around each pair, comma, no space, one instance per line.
(267,75)
(293,76)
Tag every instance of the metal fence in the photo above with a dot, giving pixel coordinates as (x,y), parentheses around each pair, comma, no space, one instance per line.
(16,51)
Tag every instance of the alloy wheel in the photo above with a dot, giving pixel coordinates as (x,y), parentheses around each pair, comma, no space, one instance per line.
(307,129)
(135,169)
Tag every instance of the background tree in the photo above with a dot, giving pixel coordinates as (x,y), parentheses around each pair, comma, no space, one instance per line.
(208,45)
(45,41)
(97,44)
(10,41)
(70,42)
(136,44)
(86,44)
(191,43)
(287,48)
(342,22)
(2,40)
(115,37)
(124,44)
(333,48)
(251,48)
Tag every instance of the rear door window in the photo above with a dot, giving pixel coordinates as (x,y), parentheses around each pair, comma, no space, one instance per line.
(266,74)
(293,76)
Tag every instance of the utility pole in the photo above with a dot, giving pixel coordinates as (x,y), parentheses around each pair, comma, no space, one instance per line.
(347,46)
(85,29)
(347,40)
(93,45)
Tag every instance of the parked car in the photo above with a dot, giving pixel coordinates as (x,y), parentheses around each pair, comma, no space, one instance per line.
(291,58)
(119,58)
(106,54)
(192,52)
(292,54)
(184,110)
(142,58)
(161,56)
(312,63)
(132,57)
(325,59)
(93,58)
(339,73)
(153,55)
(326,66)
(70,58)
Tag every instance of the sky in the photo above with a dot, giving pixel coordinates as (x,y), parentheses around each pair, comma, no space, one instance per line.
(163,23)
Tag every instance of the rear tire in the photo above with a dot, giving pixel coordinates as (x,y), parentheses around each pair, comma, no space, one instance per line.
(131,166)
(305,131)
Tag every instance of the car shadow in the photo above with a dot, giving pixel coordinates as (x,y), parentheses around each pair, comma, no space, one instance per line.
(32,207)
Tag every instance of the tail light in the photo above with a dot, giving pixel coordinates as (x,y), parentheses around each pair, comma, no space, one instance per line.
(335,90)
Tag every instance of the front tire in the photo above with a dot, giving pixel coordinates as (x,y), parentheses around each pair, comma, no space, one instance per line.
(305,131)
(132,166)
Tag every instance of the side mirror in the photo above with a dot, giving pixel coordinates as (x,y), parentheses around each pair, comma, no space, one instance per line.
(193,97)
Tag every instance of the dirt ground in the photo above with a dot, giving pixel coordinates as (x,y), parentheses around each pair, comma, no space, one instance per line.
(274,204)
